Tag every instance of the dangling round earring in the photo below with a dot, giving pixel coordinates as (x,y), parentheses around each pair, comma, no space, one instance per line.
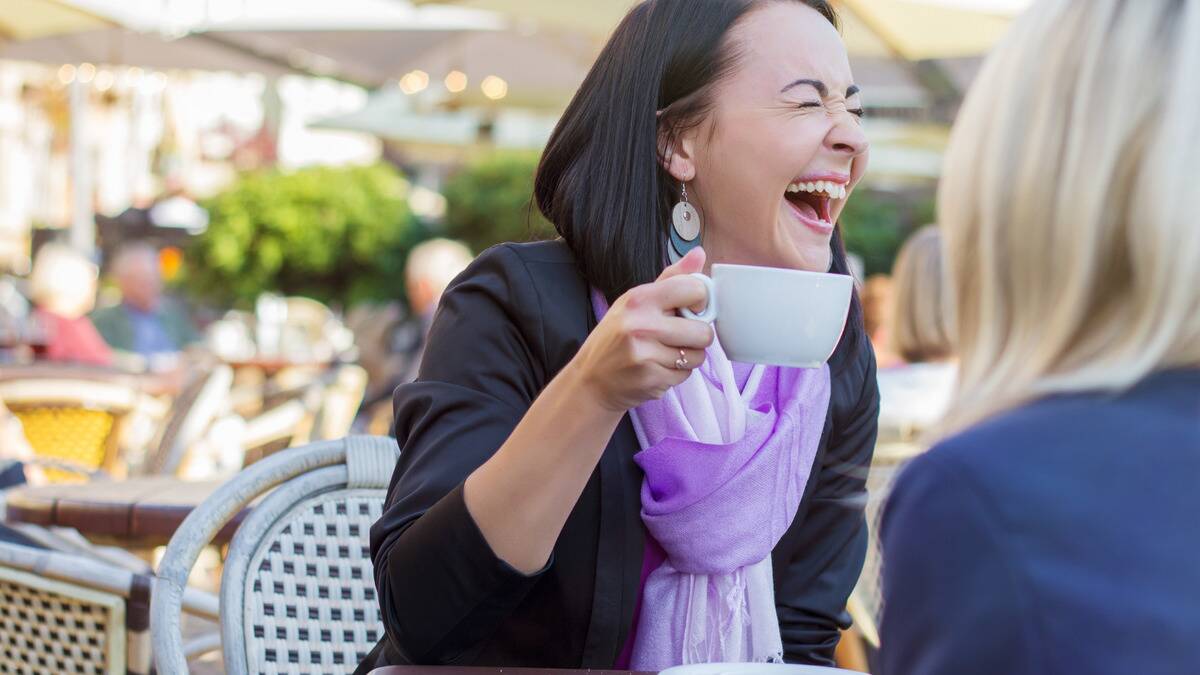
(685,227)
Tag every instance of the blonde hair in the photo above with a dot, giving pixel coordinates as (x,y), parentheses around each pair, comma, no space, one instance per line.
(1070,205)
(437,261)
(919,328)
(63,281)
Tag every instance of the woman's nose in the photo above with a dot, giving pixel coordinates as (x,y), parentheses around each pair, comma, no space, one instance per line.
(847,135)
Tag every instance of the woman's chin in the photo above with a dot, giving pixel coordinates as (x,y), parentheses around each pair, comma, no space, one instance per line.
(804,248)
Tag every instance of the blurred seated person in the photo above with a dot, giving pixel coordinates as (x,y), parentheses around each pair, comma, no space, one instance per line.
(393,359)
(431,267)
(63,290)
(15,450)
(878,306)
(914,395)
(145,323)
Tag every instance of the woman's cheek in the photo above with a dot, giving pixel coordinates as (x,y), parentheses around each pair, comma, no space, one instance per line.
(858,168)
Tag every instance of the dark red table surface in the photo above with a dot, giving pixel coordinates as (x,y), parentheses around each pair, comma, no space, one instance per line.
(134,512)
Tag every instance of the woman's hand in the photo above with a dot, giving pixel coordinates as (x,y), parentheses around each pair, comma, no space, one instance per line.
(631,356)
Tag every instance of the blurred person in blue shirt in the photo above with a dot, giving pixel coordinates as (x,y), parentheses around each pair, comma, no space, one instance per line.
(146,322)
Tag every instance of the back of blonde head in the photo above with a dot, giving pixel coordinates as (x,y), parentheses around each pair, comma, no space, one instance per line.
(1071,204)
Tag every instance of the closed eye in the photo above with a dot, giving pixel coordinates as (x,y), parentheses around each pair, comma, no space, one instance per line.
(857,112)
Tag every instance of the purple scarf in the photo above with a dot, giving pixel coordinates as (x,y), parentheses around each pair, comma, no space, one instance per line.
(725,471)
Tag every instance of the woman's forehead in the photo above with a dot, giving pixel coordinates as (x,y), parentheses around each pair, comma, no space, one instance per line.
(788,41)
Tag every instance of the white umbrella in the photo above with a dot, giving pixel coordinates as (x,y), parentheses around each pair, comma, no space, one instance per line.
(389,114)
(910,29)
(25,19)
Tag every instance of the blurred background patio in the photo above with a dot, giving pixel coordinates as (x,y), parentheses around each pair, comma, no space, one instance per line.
(256,204)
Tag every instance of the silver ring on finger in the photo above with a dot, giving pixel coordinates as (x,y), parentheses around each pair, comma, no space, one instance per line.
(681,363)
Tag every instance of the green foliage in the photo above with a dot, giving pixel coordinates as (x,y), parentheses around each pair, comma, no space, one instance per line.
(490,201)
(339,235)
(875,225)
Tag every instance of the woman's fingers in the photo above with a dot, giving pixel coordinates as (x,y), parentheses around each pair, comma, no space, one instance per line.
(674,331)
(674,358)
(692,262)
(673,294)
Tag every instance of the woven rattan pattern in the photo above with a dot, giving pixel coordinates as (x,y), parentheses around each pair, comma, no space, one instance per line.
(42,632)
(77,435)
(870,583)
(310,599)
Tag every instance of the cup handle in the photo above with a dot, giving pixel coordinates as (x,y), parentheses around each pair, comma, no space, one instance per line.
(710,311)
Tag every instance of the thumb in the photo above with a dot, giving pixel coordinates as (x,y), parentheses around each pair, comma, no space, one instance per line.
(688,264)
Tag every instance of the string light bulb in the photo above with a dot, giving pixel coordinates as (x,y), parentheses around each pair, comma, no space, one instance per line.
(494,87)
(456,81)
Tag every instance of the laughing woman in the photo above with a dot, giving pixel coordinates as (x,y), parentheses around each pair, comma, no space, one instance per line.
(518,530)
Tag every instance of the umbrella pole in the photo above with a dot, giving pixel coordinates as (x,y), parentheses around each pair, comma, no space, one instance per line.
(83,223)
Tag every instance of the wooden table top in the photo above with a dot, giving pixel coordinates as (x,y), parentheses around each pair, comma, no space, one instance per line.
(456,670)
(142,511)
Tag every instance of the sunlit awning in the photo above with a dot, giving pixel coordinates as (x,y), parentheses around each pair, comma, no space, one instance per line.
(28,19)
(909,29)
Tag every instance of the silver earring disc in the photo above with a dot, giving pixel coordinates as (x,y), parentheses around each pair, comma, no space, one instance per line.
(686,220)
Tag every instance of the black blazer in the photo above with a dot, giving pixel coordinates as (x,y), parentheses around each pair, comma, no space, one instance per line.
(504,329)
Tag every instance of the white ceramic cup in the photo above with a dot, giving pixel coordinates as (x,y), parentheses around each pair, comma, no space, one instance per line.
(775,316)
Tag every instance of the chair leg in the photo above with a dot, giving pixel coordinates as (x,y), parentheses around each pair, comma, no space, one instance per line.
(851,652)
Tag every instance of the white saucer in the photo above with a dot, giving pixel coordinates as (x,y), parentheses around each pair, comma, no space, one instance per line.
(754,669)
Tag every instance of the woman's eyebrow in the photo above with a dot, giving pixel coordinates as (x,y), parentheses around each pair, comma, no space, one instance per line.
(820,87)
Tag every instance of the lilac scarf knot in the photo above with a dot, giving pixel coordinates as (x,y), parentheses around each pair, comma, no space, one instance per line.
(725,470)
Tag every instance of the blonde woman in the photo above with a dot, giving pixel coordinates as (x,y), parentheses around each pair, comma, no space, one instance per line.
(1056,530)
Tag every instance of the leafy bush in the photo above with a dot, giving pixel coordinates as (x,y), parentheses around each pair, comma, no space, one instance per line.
(876,223)
(339,235)
(490,201)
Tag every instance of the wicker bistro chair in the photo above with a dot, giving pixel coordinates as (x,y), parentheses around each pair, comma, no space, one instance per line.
(192,413)
(75,419)
(298,593)
(866,600)
(63,613)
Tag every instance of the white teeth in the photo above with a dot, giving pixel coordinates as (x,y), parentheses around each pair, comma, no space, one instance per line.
(827,188)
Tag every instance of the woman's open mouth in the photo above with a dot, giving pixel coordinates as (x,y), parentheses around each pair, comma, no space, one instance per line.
(811,202)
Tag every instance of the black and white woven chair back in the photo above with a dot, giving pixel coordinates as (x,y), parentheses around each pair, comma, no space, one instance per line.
(298,593)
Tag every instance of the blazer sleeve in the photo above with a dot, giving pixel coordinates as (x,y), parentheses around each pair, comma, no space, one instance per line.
(952,601)
(821,564)
(442,590)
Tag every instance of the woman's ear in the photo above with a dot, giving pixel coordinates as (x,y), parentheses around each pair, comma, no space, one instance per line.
(676,155)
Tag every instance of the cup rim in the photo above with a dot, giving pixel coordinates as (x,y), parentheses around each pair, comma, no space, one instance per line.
(785,270)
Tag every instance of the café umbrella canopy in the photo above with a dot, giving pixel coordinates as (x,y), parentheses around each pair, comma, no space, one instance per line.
(908,29)
(28,19)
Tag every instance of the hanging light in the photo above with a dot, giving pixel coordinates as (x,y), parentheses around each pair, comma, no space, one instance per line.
(456,81)
(105,80)
(66,74)
(494,87)
(414,81)
(87,72)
